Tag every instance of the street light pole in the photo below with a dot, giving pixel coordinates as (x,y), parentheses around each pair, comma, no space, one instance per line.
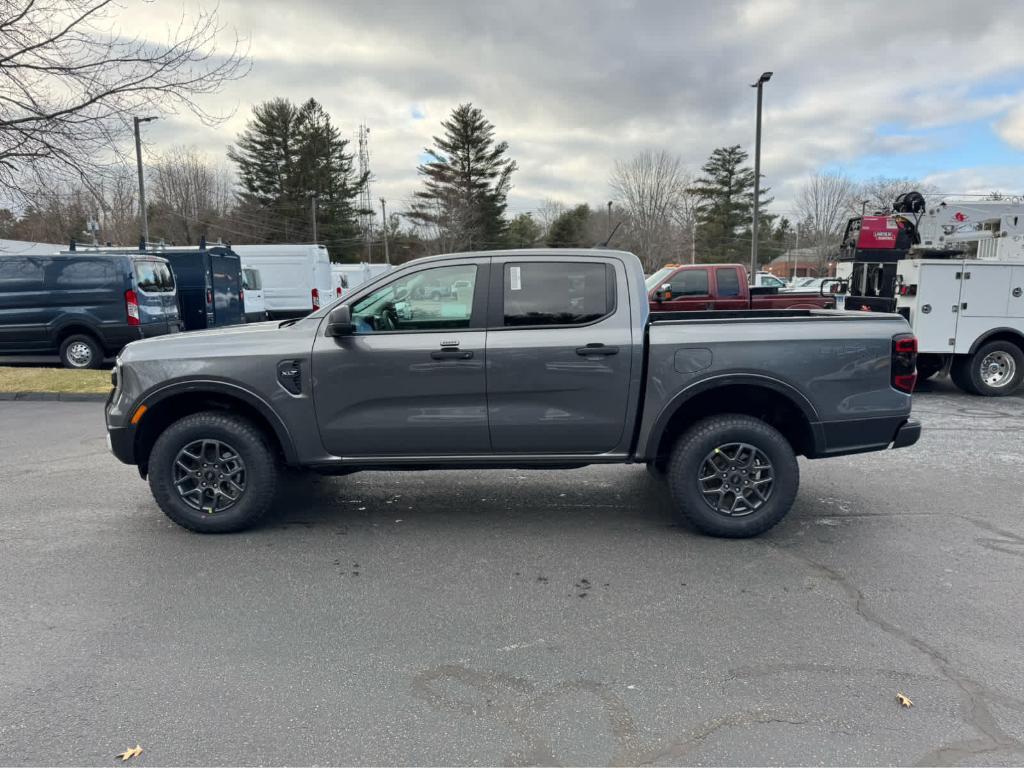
(312,209)
(142,183)
(764,78)
(609,219)
(384,228)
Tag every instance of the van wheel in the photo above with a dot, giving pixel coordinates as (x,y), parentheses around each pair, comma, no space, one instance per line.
(733,476)
(81,351)
(213,472)
(995,370)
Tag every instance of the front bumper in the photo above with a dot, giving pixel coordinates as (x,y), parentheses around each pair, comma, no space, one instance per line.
(908,434)
(121,441)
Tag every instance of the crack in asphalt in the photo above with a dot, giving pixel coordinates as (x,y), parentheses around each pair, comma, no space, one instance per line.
(977,697)
(497,698)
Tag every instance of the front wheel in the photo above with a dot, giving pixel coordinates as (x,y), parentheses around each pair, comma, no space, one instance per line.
(213,472)
(733,476)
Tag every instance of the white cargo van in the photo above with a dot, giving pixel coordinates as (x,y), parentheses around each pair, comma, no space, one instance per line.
(255,306)
(348,276)
(296,277)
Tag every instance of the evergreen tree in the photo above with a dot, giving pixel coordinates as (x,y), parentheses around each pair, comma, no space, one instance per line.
(524,232)
(569,230)
(286,154)
(465,184)
(725,194)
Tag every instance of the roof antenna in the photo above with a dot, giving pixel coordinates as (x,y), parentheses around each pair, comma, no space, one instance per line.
(610,236)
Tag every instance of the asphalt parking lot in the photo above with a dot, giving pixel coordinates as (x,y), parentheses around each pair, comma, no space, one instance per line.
(511,617)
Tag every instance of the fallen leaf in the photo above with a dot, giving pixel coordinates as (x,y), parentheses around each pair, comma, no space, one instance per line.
(904,701)
(130,753)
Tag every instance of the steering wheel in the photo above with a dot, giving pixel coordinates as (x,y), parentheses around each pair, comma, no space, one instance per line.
(389,318)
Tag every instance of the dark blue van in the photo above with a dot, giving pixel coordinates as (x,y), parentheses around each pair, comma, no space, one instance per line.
(84,305)
(209,281)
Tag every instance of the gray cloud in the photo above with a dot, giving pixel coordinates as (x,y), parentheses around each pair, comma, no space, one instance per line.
(573,85)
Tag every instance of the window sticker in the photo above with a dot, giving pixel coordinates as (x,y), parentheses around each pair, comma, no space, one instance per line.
(515,278)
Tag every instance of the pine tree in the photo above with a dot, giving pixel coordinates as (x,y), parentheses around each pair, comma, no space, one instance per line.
(466,184)
(724,209)
(286,154)
(569,230)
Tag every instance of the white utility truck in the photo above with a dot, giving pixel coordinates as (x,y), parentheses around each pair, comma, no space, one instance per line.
(955,271)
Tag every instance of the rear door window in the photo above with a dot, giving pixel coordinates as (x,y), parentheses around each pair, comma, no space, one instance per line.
(557,293)
(728,282)
(154,277)
(690,282)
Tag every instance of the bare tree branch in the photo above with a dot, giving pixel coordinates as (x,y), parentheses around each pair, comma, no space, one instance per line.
(70,83)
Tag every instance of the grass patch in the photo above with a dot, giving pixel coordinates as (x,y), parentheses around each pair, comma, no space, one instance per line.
(18,379)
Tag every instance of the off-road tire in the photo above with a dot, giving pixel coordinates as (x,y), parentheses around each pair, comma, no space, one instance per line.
(251,444)
(690,453)
(75,342)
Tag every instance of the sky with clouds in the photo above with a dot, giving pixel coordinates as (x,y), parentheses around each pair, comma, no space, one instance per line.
(930,89)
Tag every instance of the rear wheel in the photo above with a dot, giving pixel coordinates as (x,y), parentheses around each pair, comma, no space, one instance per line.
(995,370)
(213,472)
(733,476)
(81,351)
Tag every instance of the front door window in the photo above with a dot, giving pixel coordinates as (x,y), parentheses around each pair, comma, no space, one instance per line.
(437,299)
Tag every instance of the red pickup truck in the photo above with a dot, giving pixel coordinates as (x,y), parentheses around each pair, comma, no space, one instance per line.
(721,286)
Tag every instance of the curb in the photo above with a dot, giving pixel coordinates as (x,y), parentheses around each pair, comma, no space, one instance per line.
(66,397)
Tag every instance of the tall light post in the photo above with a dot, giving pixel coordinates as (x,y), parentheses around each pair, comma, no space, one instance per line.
(142,183)
(384,228)
(609,219)
(764,78)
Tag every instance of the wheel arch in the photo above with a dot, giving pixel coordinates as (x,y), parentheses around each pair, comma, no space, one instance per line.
(76,327)
(174,402)
(775,402)
(1012,335)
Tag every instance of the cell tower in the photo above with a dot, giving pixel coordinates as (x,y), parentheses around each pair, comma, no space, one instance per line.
(365,198)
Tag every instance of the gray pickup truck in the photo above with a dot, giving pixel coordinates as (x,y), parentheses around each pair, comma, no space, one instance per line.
(528,358)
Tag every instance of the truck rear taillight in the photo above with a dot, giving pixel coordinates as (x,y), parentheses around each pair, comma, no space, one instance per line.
(904,362)
(241,294)
(316,298)
(131,306)
(209,297)
(908,290)
(337,291)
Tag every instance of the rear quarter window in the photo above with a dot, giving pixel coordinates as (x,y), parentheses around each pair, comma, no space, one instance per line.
(557,293)
(728,282)
(85,273)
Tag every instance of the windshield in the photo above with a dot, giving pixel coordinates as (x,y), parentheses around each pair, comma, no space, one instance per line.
(656,279)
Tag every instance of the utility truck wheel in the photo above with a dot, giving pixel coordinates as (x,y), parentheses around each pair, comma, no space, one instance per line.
(995,370)
(213,472)
(733,476)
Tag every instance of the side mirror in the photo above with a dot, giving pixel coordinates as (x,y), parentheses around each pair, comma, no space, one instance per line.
(664,293)
(339,322)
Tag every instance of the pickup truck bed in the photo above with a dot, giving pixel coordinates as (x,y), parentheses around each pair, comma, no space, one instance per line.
(536,358)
